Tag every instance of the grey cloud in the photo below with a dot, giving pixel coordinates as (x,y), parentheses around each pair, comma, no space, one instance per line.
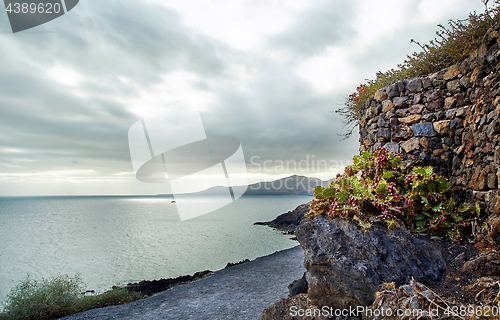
(319,27)
(277,115)
(101,41)
(135,39)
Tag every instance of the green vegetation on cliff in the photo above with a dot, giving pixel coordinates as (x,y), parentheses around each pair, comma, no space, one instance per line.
(376,189)
(454,43)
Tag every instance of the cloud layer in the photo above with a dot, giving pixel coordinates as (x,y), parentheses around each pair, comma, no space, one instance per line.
(267,73)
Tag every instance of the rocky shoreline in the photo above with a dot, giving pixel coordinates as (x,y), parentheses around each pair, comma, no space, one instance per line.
(288,222)
(338,265)
(151,287)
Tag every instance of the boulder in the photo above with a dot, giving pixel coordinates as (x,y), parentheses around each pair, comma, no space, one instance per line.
(452,72)
(460,112)
(393,90)
(418,98)
(392,147)
(410,145)
(465,82)
(493,129)
(410,119)
(400,102)
(295,308)
(450,102)
(429,117)
(492,56)
(416,108)
(414,85)
(402,112)
(435,105)
(425,129)
(493,224)
(456,123)
(401,133)
(477,74)
(426,82)
(429,159)
(424,142)
(492,181)
(442,127)
(485,265)
(450,113)
(453,86)
(346,265)
(438,152)
(479,180)
(298,286)
(433,95)
(380,95)
(434,143)
(382,123)
(387,106)
(494,206)
(384,133)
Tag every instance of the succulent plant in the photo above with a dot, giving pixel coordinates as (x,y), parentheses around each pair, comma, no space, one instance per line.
(376,189)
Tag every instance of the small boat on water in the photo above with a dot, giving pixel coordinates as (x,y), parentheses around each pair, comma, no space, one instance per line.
(173,201)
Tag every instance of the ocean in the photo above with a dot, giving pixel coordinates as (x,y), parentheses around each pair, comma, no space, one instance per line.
(115,240)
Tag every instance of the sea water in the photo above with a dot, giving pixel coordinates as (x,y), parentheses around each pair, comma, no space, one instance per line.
(115,240)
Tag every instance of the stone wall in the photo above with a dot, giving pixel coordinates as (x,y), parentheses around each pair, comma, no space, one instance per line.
(449,120)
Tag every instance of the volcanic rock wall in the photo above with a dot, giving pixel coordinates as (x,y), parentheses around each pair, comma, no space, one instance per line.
(449,120)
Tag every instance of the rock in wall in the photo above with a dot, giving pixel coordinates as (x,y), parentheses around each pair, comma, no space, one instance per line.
(449,120)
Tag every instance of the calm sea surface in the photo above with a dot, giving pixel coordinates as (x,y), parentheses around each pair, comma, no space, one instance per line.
(115,240)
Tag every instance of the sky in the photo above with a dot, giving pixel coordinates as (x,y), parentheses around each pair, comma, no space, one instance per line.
(267,72)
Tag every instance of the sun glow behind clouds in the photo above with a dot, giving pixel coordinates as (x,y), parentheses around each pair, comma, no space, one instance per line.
(176,87)
(328,72)
(378,19)
(434,11)
(65,75)
(242,24)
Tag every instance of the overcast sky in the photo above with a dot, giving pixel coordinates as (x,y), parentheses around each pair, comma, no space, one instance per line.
(268,73)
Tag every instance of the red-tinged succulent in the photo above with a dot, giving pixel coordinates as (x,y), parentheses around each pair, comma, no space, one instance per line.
(375,189)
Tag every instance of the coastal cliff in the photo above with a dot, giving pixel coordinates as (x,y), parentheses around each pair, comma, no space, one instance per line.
(449,120)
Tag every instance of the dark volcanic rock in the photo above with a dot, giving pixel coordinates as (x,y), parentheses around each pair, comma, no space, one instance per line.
(288,221)
(295,308)
(425,129)
(484,265)
(151,287)
(346,265)
(298,286)
(230,264)
(493,224)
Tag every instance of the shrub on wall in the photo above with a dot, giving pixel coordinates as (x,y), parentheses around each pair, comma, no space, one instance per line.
(454,43)
(375,189)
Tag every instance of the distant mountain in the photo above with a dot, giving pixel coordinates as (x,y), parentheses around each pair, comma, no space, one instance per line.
(293,185)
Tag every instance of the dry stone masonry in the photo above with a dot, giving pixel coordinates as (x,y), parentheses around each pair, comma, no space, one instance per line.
(449,120)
